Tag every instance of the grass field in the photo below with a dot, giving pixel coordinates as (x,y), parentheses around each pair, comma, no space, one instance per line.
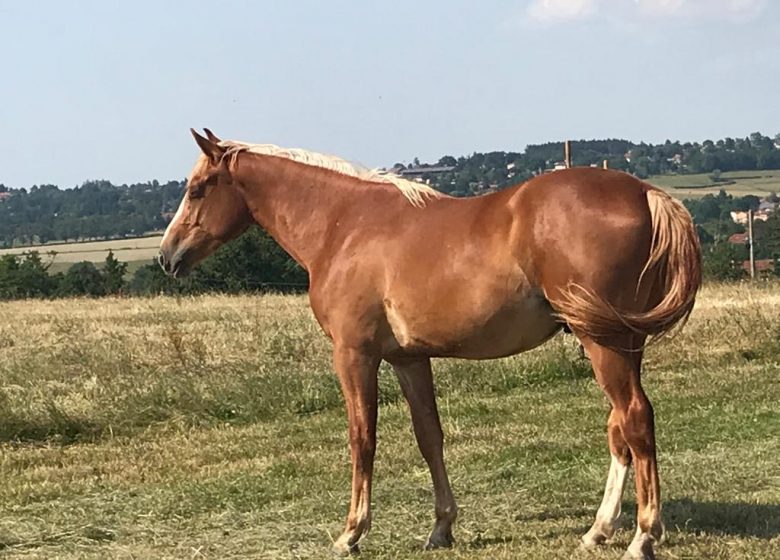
(736,183)
(212,427)
(135,251)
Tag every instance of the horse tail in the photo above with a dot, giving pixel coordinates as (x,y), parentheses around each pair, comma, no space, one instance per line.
(674,267)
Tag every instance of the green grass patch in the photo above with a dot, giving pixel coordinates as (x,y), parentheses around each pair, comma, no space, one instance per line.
(213,427)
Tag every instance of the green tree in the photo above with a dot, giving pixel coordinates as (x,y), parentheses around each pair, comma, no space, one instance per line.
(9,277)
(33,277)
(25,276)
(723,262)
(113,274)
(82,279)
(150,280)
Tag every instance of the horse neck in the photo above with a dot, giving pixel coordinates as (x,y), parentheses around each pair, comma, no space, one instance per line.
(297,204)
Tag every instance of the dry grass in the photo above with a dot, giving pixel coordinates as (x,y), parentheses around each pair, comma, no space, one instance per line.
(736,183)
(212,427)
(133,251)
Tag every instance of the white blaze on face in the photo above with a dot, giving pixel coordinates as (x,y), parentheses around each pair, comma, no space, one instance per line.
(175,219)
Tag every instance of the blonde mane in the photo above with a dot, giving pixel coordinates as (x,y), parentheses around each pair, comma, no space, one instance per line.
(416,193)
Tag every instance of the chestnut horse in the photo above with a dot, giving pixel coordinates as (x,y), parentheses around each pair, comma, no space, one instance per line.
(402,273)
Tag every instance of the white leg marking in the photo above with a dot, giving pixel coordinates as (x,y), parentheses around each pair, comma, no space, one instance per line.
(609,511)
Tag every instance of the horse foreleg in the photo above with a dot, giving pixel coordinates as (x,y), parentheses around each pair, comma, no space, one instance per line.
(357,372)
(416,382)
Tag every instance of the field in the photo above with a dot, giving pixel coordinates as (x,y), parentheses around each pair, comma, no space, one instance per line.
(136,251)
(212,427)
(736,183)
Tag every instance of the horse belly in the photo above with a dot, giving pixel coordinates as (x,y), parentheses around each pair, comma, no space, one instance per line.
(473,330)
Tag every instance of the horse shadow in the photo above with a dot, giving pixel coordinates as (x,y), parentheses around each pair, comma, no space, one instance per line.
(738,519)
(684,515)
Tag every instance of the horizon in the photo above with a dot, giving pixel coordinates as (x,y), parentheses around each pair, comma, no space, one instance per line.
(109,91)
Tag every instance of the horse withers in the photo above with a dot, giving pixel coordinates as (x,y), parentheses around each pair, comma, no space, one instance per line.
(402,273)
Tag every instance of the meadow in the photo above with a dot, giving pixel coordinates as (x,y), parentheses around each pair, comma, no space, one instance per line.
(135,251)
(213,427)
(735,183)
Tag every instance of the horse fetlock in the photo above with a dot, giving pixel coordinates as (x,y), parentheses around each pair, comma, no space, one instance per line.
(651,525)
(600,533)
(447,515)
(641,548)
(657,531)
(347,543)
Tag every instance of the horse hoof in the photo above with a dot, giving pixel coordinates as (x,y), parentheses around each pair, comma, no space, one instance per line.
(342,550)
(439,541)
(590,541)
(644,555)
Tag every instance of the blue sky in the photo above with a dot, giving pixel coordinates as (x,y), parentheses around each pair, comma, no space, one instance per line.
(108,90)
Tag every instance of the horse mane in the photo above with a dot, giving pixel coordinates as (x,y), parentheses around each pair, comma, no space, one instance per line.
(416,193)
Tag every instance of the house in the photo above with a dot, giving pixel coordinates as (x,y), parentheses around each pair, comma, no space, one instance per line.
(764,267)
(742,217)
(738,239)
(676,159)
(4,196)
(418,172)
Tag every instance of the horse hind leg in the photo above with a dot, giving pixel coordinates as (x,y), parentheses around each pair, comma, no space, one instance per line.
(631,423)
(605,525)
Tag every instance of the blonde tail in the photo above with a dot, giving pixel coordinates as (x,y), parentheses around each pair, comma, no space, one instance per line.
(675,261)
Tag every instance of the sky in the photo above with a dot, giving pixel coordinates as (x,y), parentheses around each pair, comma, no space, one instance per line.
(108,90)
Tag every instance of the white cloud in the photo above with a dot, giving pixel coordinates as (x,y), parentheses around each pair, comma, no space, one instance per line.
(559,11)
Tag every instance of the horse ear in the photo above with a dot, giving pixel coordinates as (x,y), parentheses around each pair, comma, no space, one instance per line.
(212,150)
(211,136)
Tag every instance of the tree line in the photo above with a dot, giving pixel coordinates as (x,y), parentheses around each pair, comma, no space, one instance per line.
(251,263)
(94,210)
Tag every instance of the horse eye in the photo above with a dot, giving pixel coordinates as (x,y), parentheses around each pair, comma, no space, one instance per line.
(197,191)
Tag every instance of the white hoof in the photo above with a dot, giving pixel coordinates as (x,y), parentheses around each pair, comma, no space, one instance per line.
(342,550)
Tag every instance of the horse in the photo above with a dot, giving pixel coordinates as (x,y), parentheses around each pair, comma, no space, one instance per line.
(403,273)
